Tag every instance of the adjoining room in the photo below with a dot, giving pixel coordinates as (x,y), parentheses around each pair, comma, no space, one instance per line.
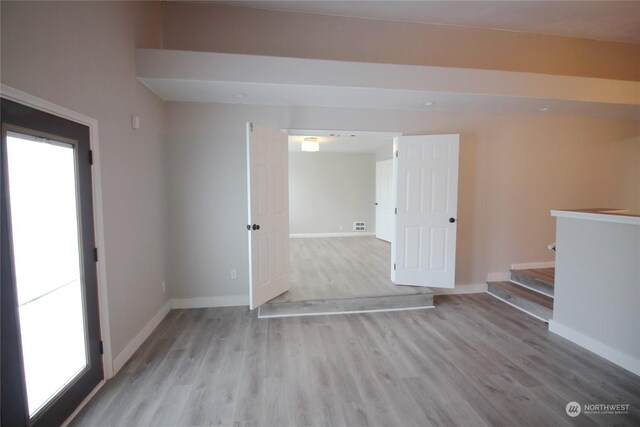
(340,223)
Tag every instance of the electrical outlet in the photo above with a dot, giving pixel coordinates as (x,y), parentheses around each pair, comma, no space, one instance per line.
(164,286)
(234,274)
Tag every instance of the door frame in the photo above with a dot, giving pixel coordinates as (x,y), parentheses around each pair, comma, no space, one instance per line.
(24,98)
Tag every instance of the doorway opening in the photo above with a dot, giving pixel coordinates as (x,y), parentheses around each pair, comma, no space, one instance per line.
(339,220)
(321,234)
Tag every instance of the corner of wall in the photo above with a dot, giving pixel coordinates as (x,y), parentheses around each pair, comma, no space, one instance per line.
(121,359)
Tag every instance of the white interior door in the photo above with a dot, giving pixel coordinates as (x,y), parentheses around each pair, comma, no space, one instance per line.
(268,229)
(384,200)
(423,249)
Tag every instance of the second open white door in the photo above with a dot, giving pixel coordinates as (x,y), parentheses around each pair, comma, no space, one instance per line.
(423,249)
(268,222)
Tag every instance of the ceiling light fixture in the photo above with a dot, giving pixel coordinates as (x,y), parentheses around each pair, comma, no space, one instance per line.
(310,144)
(428,104)
(544,109)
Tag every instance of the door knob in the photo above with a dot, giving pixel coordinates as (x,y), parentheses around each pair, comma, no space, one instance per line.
(452,220)
(256,227)
(376,203)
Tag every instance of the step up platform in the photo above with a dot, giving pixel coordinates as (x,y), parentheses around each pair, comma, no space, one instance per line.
(423,299)
(538,279)
(531,291)
(531,302)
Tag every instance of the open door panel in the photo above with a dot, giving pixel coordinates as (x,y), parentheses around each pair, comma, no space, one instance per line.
(268,220)
(424,244)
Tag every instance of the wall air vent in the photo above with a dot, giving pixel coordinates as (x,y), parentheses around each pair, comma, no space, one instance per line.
(359,226)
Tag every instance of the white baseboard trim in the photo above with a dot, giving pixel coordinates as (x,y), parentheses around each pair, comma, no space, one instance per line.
(499,277)
(472,288)
(611,354)
(348,234)
(83,403)
(127,352)
(208,302)
(528,265)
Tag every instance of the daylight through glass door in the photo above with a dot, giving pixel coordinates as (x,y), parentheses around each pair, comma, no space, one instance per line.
(44,215)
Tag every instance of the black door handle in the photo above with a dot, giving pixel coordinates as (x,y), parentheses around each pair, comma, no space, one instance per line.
(256,227)
(452,220)
(376,203)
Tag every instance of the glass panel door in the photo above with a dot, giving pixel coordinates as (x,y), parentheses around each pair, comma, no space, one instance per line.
(44,222)
(51,353)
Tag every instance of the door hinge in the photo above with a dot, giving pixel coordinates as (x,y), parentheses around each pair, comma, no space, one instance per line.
(101,348)
(394,266)
(90,157)
(396,211)
(250,127)
(396,153)
(95,254)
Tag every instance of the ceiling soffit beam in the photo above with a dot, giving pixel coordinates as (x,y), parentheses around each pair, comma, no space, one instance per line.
(222,67)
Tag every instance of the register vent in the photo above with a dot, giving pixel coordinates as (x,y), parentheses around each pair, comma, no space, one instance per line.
(359,226)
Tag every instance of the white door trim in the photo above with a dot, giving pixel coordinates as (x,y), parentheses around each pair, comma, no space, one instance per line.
(24,98)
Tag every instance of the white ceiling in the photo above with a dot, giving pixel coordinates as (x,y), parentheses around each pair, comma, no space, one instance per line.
(598,20)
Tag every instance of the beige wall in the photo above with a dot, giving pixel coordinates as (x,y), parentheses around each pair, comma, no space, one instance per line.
(328,192)
(80,55)
(230,29)
(513,171)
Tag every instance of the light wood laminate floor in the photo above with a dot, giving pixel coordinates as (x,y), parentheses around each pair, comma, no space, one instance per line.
(471,361)
(546,275)
(341,267)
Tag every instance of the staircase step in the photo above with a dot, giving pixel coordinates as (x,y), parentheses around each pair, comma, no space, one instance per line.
(539,279)
(531,302)
(346,305)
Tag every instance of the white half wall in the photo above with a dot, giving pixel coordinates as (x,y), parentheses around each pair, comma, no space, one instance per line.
(328,192)
(597,286)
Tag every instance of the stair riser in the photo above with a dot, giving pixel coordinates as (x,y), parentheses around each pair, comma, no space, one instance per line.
(303,308)
(523,303)
(532,283)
